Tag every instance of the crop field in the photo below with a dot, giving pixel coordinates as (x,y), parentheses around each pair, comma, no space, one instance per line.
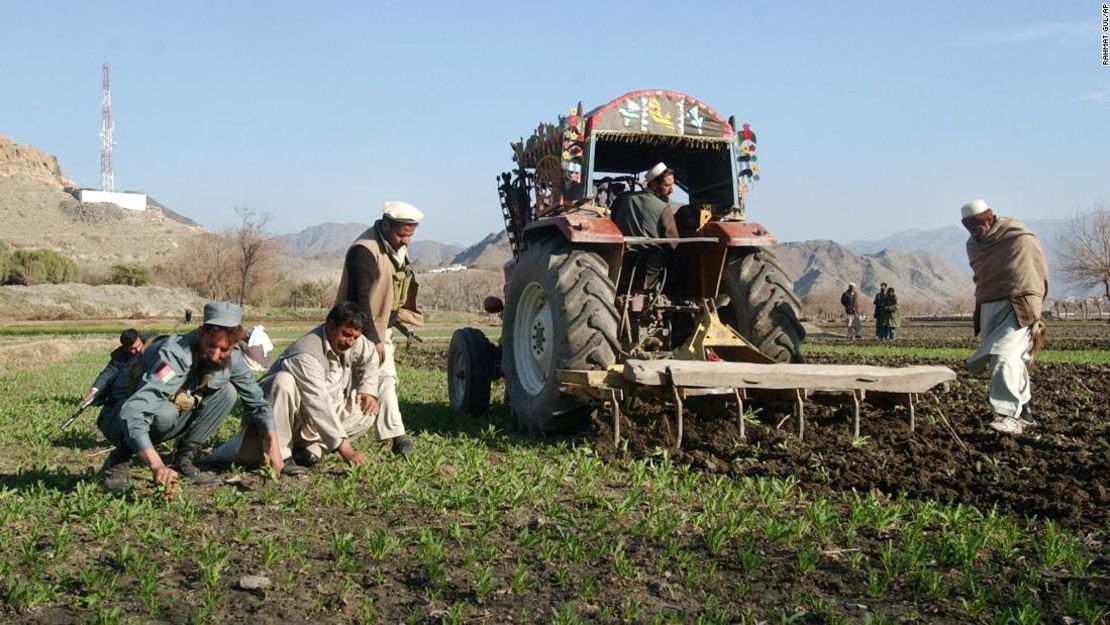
(948,523)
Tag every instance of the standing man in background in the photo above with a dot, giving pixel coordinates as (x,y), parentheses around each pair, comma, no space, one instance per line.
(378,276)
(1011,281)
(892,315)
(850,301)
(880,312)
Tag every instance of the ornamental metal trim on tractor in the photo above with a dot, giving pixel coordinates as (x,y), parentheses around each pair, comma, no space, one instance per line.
(582,328)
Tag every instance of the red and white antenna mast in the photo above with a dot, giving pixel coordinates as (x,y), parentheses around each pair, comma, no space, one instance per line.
(107,178)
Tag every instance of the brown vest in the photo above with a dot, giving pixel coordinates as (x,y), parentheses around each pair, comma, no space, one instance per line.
(381,303)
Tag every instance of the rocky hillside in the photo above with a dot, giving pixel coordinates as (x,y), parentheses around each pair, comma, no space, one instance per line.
(31,163)
(490,253)
(36,211)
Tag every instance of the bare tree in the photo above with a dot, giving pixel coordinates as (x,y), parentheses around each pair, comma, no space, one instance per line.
(257,249)
(1085,250)
(206,265)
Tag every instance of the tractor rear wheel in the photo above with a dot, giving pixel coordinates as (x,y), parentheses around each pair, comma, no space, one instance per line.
(763,307)
(470,371)
(560,313)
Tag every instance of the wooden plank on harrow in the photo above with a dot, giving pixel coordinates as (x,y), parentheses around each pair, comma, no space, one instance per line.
(688,373)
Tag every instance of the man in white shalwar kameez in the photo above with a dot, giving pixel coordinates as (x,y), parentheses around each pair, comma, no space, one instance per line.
(1011,282)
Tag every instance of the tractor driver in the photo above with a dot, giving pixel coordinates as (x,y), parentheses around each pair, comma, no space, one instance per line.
(647,214)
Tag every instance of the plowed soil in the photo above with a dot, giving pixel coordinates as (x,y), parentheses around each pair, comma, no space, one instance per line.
(1057,470)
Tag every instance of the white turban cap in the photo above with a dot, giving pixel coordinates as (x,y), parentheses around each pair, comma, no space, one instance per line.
(402,212)
(974,207)
(655,172)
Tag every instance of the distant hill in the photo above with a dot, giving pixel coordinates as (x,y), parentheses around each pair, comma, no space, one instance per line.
(330,241)
(823,265)
(490,253)
(322,240)
(949,243)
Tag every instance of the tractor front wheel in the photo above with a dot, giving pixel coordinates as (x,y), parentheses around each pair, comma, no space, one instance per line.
(470,371)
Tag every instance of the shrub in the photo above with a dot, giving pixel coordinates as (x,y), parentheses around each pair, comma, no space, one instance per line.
(7,263)
(310,295)
(39,266)
(130,275)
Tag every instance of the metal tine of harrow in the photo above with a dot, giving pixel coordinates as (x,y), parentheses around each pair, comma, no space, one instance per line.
(740,411)
(799,394)
(678,415)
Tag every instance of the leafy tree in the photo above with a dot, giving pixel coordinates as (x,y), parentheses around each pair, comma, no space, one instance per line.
(1085,250)
(130,275)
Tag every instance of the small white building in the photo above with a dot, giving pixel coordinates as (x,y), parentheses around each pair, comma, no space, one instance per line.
(449,269)
(130,201)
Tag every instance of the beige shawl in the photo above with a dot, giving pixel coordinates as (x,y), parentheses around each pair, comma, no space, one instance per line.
(1009,263)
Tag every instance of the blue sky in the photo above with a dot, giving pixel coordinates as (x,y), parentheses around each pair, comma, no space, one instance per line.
(872,117)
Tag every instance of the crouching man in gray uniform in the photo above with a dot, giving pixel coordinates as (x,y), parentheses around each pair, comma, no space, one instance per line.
(323,389)
(182,387)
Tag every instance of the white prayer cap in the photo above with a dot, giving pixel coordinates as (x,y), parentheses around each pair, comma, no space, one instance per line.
(974,207)
(851,285)
(654,172)
(402,212)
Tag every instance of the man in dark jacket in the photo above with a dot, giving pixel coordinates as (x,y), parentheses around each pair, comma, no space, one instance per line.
(880,313)
(130,343)
(850,301)
(378,275)
(647,214)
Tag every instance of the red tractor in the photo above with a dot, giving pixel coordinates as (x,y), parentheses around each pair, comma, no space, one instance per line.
(575,299)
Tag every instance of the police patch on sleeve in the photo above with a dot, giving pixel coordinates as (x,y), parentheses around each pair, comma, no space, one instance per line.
(164,373)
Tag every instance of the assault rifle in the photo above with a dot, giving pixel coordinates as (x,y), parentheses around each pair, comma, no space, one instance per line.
(77,413)
(407,332)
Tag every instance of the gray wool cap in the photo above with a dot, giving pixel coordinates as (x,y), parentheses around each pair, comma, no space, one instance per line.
(224,314)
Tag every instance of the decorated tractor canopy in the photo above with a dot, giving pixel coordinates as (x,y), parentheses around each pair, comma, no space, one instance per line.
(588,159)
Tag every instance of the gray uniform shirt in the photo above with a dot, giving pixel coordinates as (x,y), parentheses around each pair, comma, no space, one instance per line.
(166,370)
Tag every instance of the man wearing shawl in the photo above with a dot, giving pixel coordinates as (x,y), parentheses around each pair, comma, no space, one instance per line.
(1011,282)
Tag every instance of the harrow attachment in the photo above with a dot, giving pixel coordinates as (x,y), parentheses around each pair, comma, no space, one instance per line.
(736,382)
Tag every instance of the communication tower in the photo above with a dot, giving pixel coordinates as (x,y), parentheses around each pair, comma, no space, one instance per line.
(107,178)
